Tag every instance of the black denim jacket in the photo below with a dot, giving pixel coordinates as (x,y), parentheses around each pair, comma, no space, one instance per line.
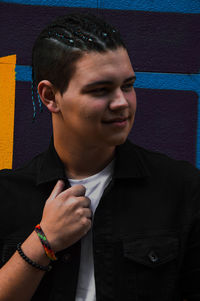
(146,231)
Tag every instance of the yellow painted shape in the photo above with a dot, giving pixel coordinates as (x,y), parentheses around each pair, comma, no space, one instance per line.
(7,109)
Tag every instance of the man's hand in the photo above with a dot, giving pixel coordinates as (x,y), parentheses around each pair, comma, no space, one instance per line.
(66,216)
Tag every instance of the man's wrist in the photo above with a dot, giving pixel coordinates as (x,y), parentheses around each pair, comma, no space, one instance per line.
(33,249)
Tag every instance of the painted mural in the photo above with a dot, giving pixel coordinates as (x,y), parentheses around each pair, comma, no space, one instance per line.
(163,40)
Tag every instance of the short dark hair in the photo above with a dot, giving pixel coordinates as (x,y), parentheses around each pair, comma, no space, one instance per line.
(64,41)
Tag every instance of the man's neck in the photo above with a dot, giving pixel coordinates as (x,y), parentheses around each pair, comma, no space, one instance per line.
(81,162)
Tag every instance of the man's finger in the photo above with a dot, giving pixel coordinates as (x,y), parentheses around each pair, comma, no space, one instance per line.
(58,188)
(80,201)
(76,190)
(85,201)
(88,213)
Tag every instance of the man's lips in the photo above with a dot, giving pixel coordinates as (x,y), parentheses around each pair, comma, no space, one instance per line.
(117,119)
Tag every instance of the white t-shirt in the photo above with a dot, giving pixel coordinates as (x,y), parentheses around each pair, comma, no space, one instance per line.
(95,186)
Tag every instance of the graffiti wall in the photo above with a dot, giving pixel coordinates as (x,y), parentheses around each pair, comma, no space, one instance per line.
(163,40)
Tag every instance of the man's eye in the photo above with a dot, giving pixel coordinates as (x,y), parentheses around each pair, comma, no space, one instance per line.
(99,91)
(127,87)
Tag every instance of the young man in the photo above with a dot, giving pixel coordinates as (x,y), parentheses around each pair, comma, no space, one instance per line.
(123,222)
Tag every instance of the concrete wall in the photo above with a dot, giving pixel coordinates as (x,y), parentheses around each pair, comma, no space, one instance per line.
(163,39)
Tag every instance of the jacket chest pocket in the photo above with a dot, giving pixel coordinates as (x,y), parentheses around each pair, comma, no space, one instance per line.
(151,268)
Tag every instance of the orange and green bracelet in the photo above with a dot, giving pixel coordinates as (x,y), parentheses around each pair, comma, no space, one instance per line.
(48,250)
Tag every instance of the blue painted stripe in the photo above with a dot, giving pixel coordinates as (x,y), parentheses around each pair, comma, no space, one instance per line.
(149,80)
(179,6)
(23,73)
(61,3)
(169,81)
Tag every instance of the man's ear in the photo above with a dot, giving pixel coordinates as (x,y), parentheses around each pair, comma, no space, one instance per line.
(47,93)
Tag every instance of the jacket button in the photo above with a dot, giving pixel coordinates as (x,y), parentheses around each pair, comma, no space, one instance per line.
(153,256)
(66,257)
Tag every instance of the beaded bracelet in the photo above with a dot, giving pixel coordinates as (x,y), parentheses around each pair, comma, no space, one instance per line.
(36,265)
(48,250)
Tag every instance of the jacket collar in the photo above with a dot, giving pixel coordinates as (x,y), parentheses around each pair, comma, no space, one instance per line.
(129,163)
(50,167)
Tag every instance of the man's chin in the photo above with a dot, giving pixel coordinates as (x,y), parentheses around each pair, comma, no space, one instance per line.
(118,140)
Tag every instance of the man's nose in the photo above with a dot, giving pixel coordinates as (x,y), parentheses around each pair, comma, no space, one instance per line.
(118,101)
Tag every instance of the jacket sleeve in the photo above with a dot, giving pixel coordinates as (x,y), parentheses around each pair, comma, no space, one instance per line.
(190,273)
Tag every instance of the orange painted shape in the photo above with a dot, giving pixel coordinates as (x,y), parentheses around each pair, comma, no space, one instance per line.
(7,109)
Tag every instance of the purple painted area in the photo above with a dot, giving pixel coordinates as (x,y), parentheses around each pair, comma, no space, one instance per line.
(21,24)
(166,121)
(157,42)
(29,138)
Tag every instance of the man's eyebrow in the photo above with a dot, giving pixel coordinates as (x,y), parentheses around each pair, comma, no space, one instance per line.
(106,82)
(132,78)
(97,83)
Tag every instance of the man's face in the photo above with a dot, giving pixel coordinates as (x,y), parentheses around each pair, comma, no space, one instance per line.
(99,105)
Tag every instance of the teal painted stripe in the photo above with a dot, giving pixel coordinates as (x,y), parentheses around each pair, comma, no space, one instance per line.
(149,80)
(169,81)
(23,73)
(179,6)
(58,3)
